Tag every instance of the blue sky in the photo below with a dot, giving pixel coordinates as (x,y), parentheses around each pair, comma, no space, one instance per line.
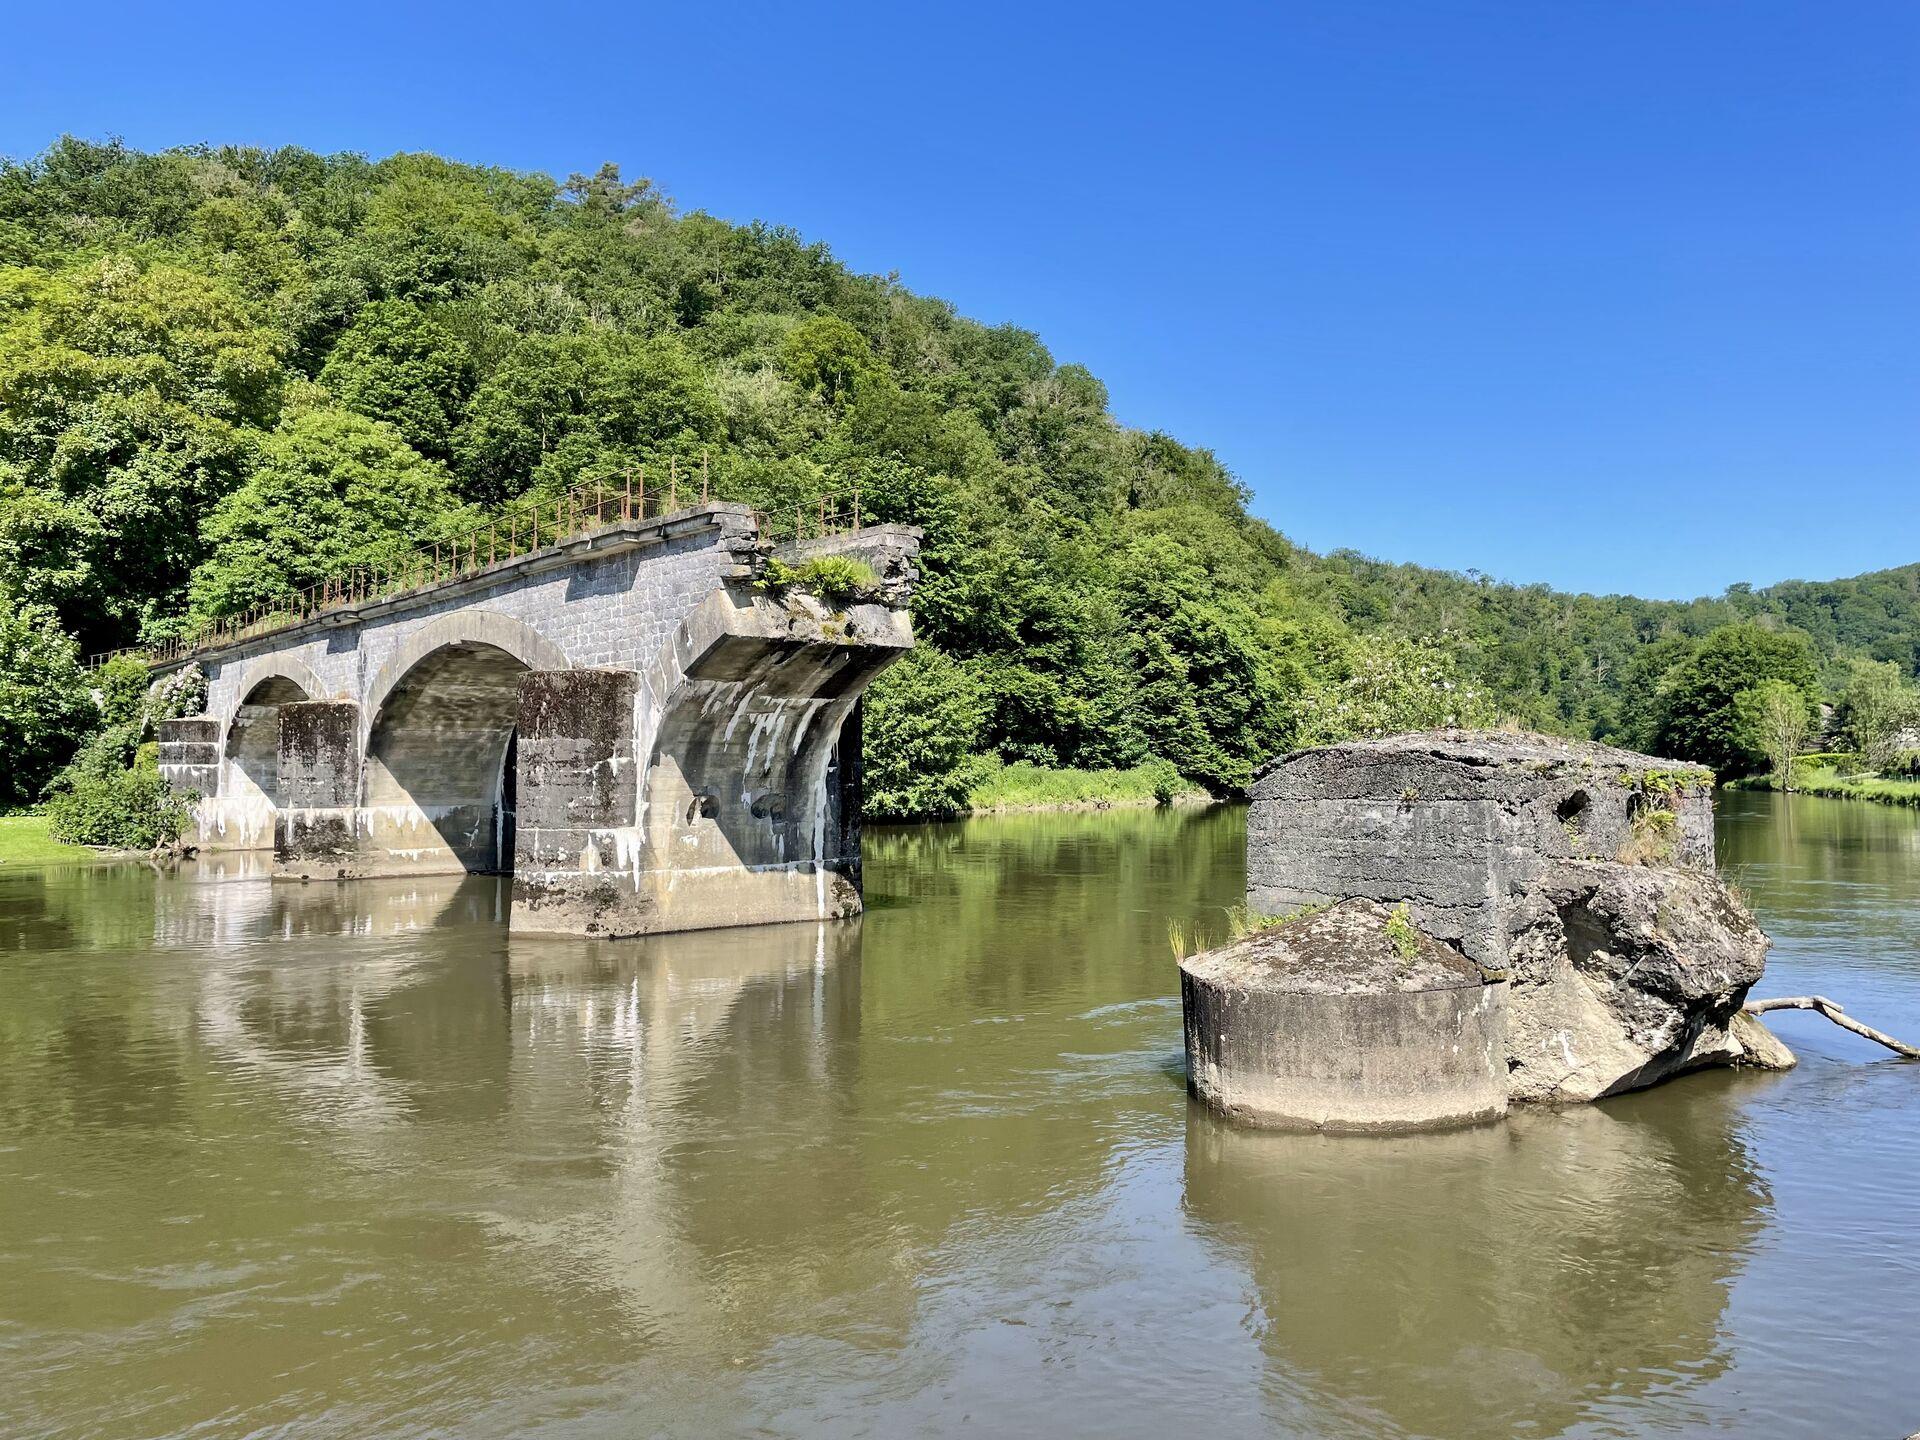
(1612,294)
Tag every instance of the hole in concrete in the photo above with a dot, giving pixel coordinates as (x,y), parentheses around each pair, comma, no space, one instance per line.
(702,807)
(1573,809)
(769,804)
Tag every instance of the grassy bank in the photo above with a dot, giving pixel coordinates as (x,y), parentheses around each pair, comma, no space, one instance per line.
(1825,780)
(1021,786)
(24,841)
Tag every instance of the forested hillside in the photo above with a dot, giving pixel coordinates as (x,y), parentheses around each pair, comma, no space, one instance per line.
(227,373)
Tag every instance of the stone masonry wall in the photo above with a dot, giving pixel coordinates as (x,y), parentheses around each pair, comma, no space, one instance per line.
(613,611)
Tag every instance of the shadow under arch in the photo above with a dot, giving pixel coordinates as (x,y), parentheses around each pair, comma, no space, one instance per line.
(438,784)
(514,637)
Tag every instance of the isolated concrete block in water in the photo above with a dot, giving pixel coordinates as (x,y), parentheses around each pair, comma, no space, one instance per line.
(1584,871)
(1345,1019)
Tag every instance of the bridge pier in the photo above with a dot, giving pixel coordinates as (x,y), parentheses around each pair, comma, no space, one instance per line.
(746,810)
(317,829)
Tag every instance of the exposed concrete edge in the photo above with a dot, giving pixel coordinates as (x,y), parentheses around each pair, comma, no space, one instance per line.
(867,537)
(723,614)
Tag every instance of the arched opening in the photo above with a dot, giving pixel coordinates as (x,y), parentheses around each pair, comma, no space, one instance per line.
(242,815)
(440,760)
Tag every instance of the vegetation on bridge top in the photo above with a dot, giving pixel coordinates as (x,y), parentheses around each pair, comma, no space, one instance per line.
(227,375)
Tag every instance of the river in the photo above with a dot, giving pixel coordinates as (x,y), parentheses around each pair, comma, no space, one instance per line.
(350,1161)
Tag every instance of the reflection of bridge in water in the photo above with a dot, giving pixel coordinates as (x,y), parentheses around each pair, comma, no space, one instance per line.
(438,1041)
(630,719)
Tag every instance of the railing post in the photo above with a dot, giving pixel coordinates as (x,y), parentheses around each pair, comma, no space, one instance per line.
(673,484)
(703,474)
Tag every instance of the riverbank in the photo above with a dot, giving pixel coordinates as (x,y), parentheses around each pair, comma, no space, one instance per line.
(24,841)
(1824,780)
(1023,787)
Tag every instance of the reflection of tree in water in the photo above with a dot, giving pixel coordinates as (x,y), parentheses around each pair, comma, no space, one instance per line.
(1792,851)
(1016,908)
(1508,1280)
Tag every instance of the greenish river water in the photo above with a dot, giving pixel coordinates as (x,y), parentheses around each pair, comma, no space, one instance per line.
(350,1161)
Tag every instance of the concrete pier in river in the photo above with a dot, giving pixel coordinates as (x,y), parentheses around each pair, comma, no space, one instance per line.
(630,720)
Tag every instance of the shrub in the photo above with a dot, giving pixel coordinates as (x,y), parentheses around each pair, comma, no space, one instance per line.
(44,706)
(1165,778)
(923,718)
(128,810)
(1400,931)
(1655,839)
(831,577)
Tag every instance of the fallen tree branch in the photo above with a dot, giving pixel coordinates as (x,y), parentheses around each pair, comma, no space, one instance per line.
(1833,1012)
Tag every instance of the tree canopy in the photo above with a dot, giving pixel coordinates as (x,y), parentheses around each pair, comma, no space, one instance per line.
(226,373)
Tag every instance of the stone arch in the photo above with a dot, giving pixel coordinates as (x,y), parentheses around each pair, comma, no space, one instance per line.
(438,783)
(240,814)
(264,668)
(514,637)
(748,766)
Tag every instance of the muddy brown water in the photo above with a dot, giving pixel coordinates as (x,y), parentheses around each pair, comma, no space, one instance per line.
(349,1161)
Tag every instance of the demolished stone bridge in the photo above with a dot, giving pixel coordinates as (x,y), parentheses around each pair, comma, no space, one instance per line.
(637,722)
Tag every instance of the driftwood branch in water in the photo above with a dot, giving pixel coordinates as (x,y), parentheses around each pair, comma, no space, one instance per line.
(1834,1013)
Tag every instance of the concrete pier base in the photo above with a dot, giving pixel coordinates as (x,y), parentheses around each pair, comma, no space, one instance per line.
(1324,1023)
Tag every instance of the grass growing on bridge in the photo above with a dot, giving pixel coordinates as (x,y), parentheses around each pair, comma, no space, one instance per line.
(1021,786)
(24,841)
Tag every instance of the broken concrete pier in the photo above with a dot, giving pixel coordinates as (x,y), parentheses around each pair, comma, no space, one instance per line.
(1346,1019)
(1583,871)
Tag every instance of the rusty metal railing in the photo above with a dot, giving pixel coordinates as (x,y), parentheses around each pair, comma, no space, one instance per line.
(518,531)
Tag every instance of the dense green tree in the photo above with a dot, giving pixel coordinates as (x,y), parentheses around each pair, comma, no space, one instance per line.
(1878,703)
(1392,684)
(333,491)
(1698,718)
(922,725)
(1773,720)
(558,409)
(398,365)
(130,401)
(827,357)
(44,705)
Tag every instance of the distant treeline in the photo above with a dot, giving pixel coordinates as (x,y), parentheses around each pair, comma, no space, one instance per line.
(228,373)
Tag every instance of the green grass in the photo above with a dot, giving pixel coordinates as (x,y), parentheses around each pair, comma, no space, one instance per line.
(1021,786)
(24,841)
(1812,779)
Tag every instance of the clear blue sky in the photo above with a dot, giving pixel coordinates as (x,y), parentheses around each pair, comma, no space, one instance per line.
(1614,294)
